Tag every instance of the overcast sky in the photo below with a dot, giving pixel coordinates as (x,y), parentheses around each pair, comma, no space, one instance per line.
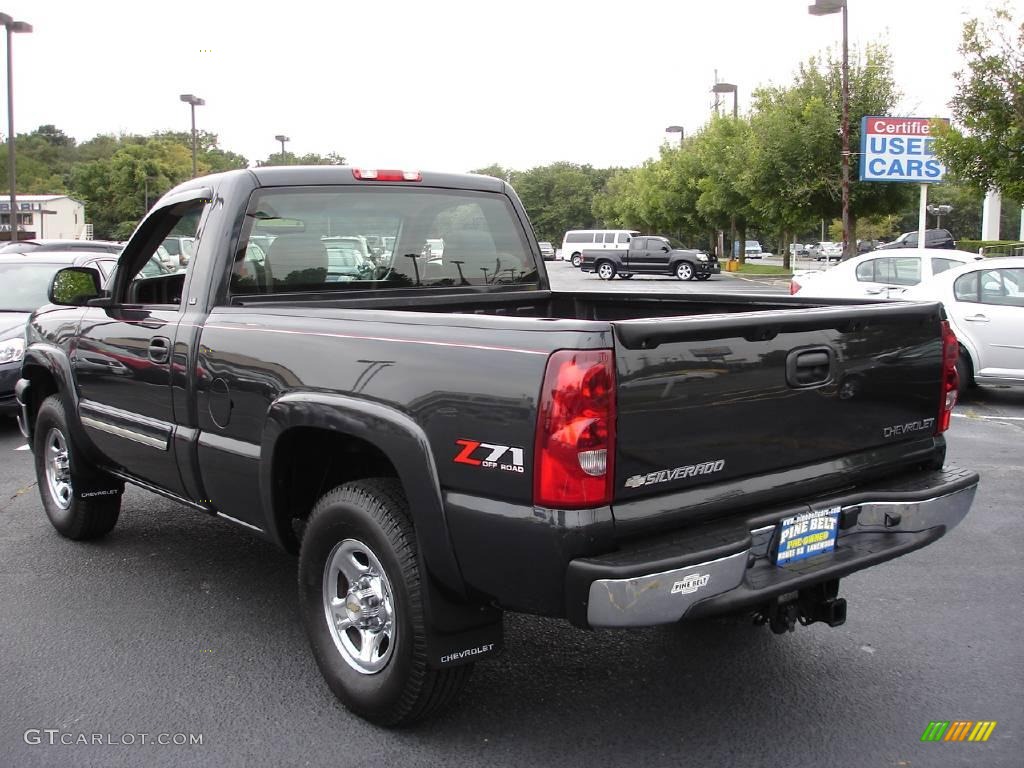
(447,85)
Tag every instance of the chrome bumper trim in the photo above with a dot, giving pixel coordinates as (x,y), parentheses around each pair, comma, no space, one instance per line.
(666,597)
(661,598)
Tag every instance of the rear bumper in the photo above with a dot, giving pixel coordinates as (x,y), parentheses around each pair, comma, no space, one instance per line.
(722,568)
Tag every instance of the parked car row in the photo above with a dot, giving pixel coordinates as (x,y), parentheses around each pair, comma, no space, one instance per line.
(983,298)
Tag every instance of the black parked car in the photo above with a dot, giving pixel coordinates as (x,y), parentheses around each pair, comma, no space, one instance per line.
(933,238)
(24,279)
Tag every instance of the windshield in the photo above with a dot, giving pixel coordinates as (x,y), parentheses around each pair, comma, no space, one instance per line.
(23,286)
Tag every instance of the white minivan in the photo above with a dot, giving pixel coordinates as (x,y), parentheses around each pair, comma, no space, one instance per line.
(577,240)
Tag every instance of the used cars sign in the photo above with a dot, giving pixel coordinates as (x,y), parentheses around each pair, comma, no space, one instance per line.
(898,149)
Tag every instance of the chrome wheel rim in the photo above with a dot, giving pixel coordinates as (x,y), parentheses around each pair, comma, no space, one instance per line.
(359,606)
(605,271)
(58,468)
(684,271)
(576,260)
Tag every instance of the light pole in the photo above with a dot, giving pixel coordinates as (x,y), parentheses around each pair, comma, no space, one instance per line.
(824,8)
(282,138)
(938,211)
(729,88)
(12,27)
(193,101)
(677,129)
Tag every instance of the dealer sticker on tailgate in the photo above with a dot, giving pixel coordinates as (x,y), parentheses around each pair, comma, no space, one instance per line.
(805,535)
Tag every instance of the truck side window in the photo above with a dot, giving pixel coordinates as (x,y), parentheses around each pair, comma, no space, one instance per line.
(623,237)
(158,278)
(609,237)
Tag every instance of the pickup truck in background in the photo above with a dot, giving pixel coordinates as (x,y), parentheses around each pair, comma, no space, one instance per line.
(441,440)
(651,256)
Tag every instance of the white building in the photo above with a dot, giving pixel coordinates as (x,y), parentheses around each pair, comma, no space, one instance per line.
(66,219)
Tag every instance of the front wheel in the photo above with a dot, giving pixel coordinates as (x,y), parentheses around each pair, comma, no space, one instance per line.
(606,270)
(684,271)
(703,277)
(360,599)
(577,259)
(75,515)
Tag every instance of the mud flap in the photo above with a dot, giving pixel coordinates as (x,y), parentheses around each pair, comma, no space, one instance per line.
(457,632)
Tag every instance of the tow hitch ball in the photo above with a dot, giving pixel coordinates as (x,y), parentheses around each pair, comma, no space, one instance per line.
(817,603)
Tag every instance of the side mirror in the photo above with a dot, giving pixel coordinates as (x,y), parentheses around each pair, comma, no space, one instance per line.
(74,286)
(665,249)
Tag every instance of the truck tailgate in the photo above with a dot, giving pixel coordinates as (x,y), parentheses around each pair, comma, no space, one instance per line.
(715,397)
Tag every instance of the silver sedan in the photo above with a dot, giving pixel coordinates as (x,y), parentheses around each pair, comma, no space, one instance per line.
(985,304)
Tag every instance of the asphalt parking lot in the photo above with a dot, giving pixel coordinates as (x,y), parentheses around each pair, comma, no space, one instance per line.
(181,624)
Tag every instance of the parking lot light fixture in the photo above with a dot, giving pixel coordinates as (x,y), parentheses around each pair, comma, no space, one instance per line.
(824,8)
(193,101)
(729,88)
(677,129)
(12,26)
(282,138)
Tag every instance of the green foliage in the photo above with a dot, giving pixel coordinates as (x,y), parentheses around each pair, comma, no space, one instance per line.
(985,145)
(312,158)
(557,197)
(975,246)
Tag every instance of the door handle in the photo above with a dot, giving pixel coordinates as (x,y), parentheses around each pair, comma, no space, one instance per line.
(159,349)
(977,318)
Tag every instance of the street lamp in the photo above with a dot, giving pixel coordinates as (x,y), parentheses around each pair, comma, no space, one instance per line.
(42,212)
(824,8)
(193,101)
(677,129)
(12,27)
(282,138)
(729,88)
(938,211)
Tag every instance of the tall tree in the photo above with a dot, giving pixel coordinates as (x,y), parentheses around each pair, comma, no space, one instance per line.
(985,144)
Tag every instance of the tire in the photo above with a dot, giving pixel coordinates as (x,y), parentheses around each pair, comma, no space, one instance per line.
(625,275)
(605,270)
(360,527)
(577,259)
(684,271)
(57,461)
(965,374)
(703,277)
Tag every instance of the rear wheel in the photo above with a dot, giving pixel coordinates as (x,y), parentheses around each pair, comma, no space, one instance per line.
(57,462)
(360,599)
(577,259)
(684,271)
(965,374)
(606,270)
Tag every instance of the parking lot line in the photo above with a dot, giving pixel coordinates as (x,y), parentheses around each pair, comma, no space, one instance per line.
(990,418)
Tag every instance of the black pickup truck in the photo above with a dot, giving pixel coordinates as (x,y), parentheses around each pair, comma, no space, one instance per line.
(445,439)
(651,256)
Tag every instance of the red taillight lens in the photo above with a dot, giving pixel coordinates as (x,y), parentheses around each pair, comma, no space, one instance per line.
(575,448)
(364,174)
(794,287)
(950,378)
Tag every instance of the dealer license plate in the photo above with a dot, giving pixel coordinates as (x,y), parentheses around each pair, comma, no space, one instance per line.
(806,535)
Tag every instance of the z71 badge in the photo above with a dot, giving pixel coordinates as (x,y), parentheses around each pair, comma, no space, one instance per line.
(507,458)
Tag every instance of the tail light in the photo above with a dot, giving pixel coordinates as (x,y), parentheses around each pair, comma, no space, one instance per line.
(950,378)
(575,446)
(365,174)
(794,287)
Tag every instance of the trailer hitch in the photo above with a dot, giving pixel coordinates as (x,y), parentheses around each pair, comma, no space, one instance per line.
(809,605)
